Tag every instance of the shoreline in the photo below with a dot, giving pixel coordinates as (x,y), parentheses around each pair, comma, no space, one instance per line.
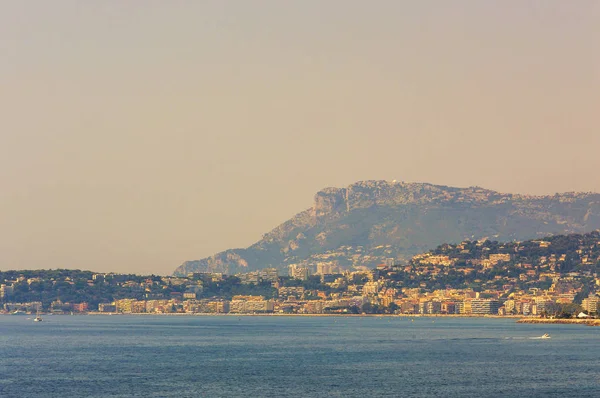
(518,318)
(317,315)
(95,313)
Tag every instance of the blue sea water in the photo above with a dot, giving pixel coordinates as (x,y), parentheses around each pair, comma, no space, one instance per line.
(276,356)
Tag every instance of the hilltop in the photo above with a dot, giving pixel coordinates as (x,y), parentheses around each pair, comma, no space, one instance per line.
(373,222)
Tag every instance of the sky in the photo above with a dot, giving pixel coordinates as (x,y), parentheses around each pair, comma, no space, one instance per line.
(137,135)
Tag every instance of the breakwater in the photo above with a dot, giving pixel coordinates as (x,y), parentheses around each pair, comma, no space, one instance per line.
(568,321)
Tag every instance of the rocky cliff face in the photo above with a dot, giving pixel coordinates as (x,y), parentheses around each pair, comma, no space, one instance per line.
(376,221)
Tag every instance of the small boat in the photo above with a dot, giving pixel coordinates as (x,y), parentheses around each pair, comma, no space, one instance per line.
(37,318)
(545,336)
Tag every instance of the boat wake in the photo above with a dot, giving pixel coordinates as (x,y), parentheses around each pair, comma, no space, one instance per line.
(542,337)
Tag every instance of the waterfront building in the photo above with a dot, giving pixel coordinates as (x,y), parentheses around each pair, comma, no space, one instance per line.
(484,306)
(313,307)
(433,307)
(138,306)
(409,307)
(250,304)
(219,306)
(259,306)
(509,306)
(386,300)
(526,307)
(32,306)
(448,307)
(124,305)
(81,307)
(542,303)
(237,306)
(590,304)
(464,307)
(106,307)
(58,307)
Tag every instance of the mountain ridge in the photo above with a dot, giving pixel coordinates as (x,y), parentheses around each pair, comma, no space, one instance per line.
(349,226)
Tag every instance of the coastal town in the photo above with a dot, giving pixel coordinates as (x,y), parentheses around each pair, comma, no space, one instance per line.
(553,277)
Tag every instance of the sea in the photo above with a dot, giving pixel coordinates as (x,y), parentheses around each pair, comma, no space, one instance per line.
(294,356)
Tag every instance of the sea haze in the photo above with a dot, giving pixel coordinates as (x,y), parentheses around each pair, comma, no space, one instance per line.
(277,356)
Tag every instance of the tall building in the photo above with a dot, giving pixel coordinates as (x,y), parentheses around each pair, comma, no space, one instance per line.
(464,307)
(484,307)
(371,288)
(269,274)
(327,268)
(590,304)
(5,292)
(299,272)
(433,307)
(448,307)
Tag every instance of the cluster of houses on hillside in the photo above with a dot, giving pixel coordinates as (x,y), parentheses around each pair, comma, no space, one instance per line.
(471,278)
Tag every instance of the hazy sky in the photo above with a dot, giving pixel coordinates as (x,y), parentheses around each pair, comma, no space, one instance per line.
(136,135)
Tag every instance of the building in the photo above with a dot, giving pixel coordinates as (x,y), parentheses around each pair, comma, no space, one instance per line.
(409,307)
(125,305)
(33,306)
(543,303)
(327,268)
(484,306)
(510,306)
(266,274)
(219,306)
(105,307)
(448,307)
(249,277)
(371,288)
(296,291)
(260,306)
(313,307)
(497,258)
(464,307)
(269,274)
(430,307)
(525,307)
(5,292)
(298,272)
(250,305)
(81,307)
(590,304)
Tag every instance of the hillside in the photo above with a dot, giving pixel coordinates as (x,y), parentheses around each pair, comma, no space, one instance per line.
(371,222)
(571,262)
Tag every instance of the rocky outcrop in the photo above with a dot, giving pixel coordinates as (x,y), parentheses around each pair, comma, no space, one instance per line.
(351,225)
(330,201)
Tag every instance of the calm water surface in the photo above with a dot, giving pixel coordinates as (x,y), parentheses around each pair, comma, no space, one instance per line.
(226,356)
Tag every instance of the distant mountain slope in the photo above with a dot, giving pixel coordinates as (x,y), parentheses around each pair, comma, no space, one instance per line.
(371,222)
